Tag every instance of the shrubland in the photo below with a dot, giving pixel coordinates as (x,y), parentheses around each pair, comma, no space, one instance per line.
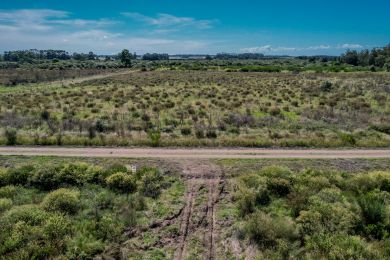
(202,108)
(314,213)
(76,210)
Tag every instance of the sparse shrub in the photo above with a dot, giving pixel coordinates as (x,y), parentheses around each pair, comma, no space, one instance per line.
(326,86)
(62,200)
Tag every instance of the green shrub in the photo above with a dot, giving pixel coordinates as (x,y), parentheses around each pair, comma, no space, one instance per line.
(186,131)
(266,230)
(278,186)
(8,191)
(370,181)
(339,246)
(151,183)
(373,207)
(10,136)
(30,214)
(5,204)
(4,177)
(62,200)
(84,246)
(347,138)
(154,136)
(45,178)
(20,175)
(55,229)
(121,182)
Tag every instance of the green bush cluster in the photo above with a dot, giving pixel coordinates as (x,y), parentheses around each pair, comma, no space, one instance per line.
(316,214)
(71,210)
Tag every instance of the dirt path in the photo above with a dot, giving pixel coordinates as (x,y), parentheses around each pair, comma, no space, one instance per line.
(198,219)
(196,153)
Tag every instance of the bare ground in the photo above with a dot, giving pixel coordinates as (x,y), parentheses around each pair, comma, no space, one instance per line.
(197,153)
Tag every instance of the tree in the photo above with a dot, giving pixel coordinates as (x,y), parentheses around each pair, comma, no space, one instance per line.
(125,58)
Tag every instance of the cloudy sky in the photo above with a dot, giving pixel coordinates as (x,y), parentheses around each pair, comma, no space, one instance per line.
(298,27)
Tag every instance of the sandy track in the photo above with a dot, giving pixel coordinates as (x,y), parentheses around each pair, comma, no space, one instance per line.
(195,153)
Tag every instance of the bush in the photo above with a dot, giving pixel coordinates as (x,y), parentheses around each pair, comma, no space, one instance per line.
(62,200)
(278,186)
(30,214)
(151,183)
(5,204)
(212,134)
(339,246)
(20,175)
(55,229)
(154,136)
(121,182)
(11,136)
(373,207)
(45,178)
(186,131)
(266,230)
(8,191)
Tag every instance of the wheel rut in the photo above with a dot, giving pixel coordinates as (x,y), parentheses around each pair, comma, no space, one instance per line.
(199,175)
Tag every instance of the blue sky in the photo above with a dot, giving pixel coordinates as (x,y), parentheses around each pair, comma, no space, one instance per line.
(298,27)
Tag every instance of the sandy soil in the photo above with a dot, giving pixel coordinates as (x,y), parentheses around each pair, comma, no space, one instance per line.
(195,153)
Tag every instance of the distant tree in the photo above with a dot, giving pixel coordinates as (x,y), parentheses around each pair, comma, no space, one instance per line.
(125,57)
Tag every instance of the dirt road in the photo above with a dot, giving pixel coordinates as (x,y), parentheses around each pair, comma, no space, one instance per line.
(195,153)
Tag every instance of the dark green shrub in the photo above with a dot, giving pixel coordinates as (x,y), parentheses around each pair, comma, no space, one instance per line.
(373,207)
(212,134)
(199,132)
(10,136)
(279,187)
(326,86)
(62,200)
(186,131)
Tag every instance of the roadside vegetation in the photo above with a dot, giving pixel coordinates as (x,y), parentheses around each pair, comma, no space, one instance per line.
(76,210)
(314,213)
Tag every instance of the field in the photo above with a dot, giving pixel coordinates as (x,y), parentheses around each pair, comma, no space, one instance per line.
(80,208)
(170,107)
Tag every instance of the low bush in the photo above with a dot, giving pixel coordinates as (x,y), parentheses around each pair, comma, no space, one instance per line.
(62,200)
(121,182)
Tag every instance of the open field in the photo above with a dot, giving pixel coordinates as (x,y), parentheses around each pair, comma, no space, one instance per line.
(202,108)
(185,209)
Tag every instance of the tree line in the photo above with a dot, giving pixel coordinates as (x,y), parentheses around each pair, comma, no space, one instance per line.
(377,57)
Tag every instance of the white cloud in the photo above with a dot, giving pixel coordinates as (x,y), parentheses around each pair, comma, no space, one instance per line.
(167,20)
(281,49)
(350,46)
(54,29)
